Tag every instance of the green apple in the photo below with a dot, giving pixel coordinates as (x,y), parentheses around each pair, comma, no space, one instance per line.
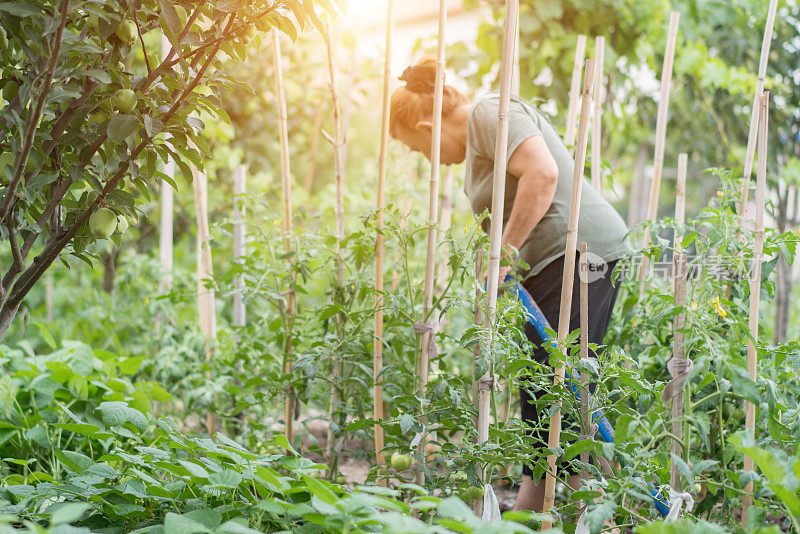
(401,462)
(125,100)
(122,224)
(10,90)
(102,222)
(98,116)
(126,31)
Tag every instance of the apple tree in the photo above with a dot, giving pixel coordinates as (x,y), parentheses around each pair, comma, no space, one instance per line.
(93,106)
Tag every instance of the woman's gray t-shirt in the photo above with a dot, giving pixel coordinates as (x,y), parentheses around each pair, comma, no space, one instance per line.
(600,226)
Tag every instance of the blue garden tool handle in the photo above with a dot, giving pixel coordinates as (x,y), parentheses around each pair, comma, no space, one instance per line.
(537,319)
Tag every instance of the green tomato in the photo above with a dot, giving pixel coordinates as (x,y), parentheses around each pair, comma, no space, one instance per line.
(340,479)
(102,223)
(126,31)
(474,492)
(10,90)
(401,462)
(698,488)
(122,224)
(125,100)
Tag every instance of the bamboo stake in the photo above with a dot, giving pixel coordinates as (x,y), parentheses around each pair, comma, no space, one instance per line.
(597,118)
(166,225)
(755,288)
(751,134)
(515,77)
(312,149)
(678,323)
(338,163)
(584,342)
(377,344)
(286,183)
(239,179)
(554,438)
(205,295)
(574,91)
(661,132)
(478,321)
(428,320)
(498,201)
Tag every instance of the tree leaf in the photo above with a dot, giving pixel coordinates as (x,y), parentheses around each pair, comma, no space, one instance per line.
(121,126)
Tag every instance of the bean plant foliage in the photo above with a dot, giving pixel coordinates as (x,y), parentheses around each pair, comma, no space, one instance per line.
(93,106)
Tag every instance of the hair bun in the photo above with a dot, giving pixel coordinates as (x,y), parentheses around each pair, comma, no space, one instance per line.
(421,78)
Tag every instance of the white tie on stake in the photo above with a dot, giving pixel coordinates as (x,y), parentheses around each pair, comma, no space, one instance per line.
(679,369)
(491,508)
(676,500)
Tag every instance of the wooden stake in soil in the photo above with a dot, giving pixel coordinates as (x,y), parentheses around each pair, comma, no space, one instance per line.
(286,183)
(486,384)
(755,288)
(574,91)
(165,230)
(678,365)
(586,420)
(661,132)
(751,134)
(515,77)
(427,325)
(377,359)
(205,273)
(478,321)
(338,163)
(316,132)
(597,117)
(239,179)
(554,438)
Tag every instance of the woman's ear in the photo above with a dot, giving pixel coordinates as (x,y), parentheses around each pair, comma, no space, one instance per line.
(424,126)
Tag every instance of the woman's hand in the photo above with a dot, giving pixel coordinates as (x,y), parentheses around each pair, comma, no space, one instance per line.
(508,261)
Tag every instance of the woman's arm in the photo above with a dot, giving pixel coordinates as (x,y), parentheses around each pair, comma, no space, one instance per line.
(537,172)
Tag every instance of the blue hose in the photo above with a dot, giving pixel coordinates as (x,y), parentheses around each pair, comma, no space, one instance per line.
(537,319)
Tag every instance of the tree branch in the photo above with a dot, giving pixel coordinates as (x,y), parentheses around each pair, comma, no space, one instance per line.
(19,264)
(7,206)
(141,40)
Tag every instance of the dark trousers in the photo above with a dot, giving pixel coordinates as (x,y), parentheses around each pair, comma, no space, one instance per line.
(545,288)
